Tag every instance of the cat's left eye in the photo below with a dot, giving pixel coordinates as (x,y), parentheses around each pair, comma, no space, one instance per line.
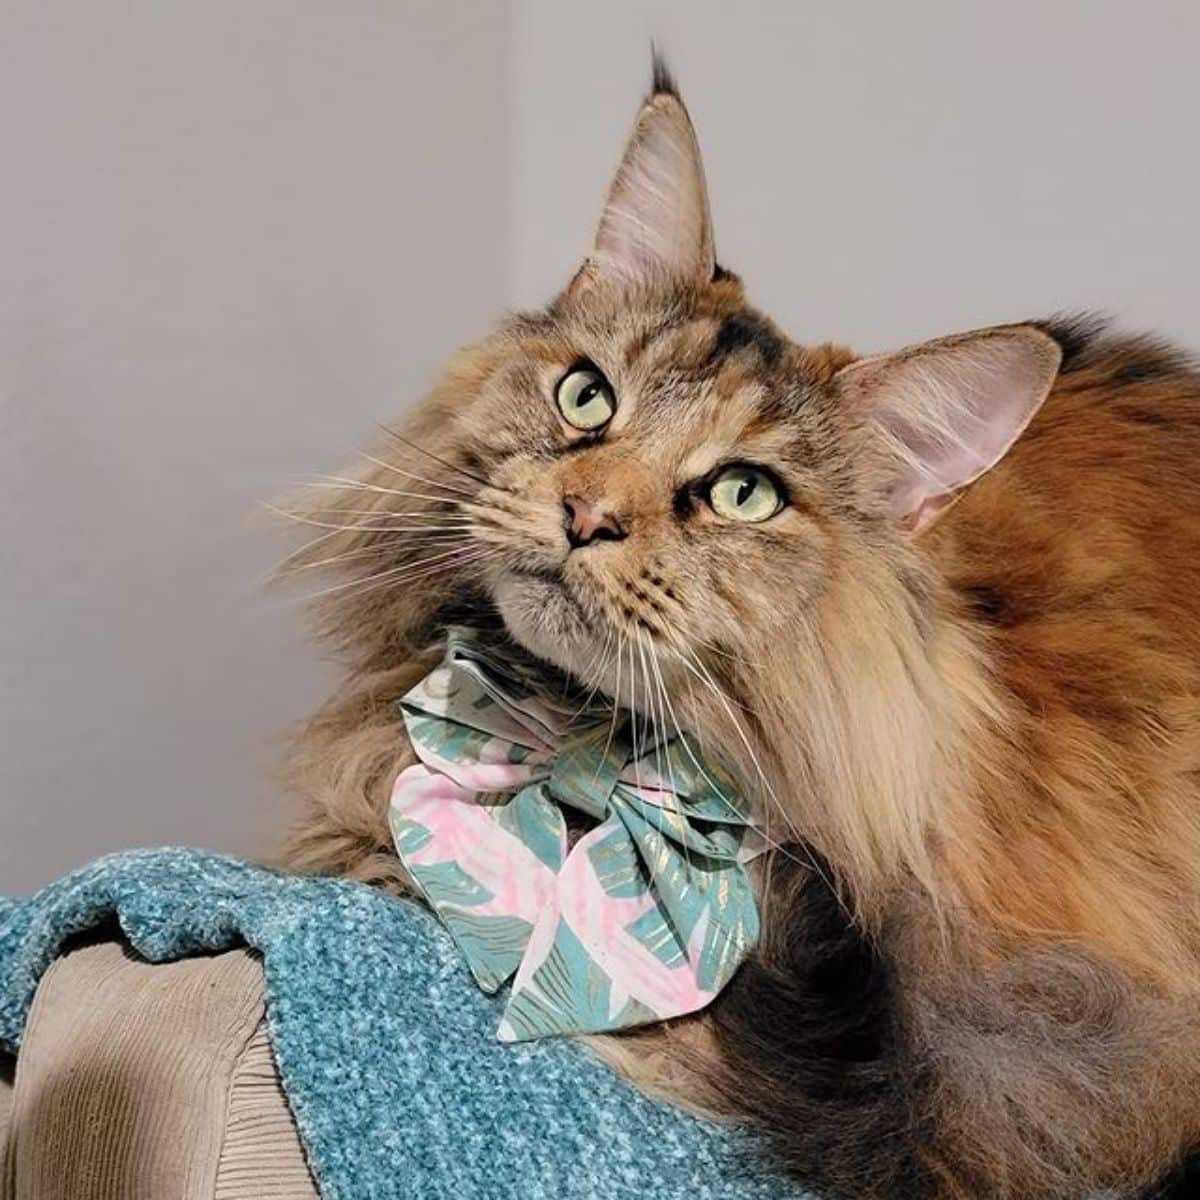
(744,494)
(585,399)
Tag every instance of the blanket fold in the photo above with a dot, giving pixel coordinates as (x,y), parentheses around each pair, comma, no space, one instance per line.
(385,1047)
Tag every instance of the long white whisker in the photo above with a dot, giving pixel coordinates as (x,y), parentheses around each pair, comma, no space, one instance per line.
(656,729)
(661,748)
(323,486)
(712,646)
(442,539)
(712,783)
(651,721)
(407,572)
(660,691)
(388,514)
(712,686)
(661,743)
(638,752)
(360,528)
(616,704)
(404,441)
(323,537)
(387,466)
(633,717)
(422,533)
(456,489)
(665,741)
(598,659)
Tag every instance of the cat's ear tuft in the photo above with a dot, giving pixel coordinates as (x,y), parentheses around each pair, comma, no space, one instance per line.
(662,82)
(938,416)
(655,227)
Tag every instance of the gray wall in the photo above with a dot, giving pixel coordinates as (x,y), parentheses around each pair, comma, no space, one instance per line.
(232,235)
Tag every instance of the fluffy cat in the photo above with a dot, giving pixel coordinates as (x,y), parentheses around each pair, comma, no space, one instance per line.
(941,608)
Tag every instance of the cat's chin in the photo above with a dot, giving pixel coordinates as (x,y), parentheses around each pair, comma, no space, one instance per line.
(539,611)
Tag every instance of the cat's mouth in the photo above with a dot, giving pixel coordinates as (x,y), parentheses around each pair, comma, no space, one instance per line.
(551,588)
(546,575)
(543,613)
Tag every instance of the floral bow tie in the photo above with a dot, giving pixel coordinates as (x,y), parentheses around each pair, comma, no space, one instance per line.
(647,916)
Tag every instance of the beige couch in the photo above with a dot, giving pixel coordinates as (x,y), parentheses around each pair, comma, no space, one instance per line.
(140,1082)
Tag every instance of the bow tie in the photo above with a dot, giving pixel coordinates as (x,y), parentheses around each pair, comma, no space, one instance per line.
(647,916)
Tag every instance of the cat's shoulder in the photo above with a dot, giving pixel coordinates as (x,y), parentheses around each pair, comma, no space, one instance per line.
(1099,358)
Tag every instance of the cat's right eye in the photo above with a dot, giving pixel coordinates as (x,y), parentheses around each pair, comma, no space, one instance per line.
(744,493)
(586,399)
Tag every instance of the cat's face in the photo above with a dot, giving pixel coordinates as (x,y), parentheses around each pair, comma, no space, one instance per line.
(664,478)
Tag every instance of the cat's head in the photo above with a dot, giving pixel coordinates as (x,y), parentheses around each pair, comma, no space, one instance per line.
(660,492)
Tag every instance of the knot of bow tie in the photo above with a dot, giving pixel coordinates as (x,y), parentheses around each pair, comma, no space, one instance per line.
(645,917)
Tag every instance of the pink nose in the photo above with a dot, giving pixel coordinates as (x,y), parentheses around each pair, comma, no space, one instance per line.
(587,522)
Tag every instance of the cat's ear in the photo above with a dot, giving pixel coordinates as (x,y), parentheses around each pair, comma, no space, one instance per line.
(656,225)
(938,416)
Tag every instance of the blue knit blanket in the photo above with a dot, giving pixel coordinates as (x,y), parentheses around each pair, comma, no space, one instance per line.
(386,1046)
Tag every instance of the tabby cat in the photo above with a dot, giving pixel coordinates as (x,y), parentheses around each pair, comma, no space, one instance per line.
(940,607)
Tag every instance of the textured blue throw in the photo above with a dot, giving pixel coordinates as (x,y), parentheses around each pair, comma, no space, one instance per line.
(386,1047)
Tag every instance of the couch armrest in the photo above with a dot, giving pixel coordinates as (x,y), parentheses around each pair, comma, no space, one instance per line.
(150,1082)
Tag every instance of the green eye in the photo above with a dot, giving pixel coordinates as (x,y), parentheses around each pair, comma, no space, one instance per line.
(744,494)
(585,399)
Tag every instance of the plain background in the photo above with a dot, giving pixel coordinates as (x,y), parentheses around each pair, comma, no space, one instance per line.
(233,236)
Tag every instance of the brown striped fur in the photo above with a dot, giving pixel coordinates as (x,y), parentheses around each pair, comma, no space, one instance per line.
(978,744)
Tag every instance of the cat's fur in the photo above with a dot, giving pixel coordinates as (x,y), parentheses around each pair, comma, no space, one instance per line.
(974,727)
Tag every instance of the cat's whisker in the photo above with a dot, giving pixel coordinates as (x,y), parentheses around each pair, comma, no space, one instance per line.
(447,539)
(657,733)
(650,716)
(492,537)
(664,702)
(682,739)
(697,668)
(305,549)
(407,572)
(385,514)
(387,466)
(707,679)
(607,663)
(639,748)
(676,641)
(713,648)
(417,535)
(405,441)
(616,704)
(321,485)
(491,525)
(662,747)
(633,716)
(359,528)
(598,660)
(664,738)
(695,637)
(742,735)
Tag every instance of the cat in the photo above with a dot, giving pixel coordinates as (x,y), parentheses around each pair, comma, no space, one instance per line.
(941,608)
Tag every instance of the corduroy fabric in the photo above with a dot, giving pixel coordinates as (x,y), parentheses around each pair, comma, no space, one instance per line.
(261,1156)
(127,1074)
(386,1047)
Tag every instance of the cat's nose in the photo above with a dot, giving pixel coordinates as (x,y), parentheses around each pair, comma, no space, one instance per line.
(587,522)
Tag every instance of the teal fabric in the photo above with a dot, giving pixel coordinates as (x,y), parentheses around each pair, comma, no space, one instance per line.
(386,1046)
